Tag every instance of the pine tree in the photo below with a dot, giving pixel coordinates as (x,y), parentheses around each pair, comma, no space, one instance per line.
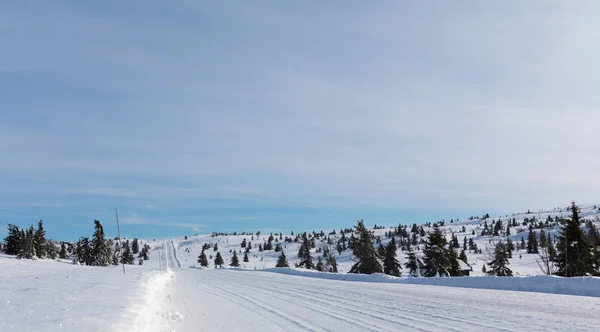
(532,243)
(135,248)
(509,247)
(82,251)
(50,249)
(116,253)
(146,252)
(363,249)
(14,241)
(498,265)
(306,259)
(390,263)
(320,264)
(575,256)
(63,251)
(246,260)
(282,260)
(100,250)
(28,248)
(202,259)
(235,262)
(331,263)
(551,249)
(435,258)
(454,268)
(463,256)
(411,263)
(381,251)
(219,260)
(40,240)
(127,254)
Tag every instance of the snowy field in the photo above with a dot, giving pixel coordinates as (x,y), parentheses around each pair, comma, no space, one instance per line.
(172,293)
(55,296)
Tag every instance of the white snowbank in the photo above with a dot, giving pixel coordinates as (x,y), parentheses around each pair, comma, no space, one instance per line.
(583,286)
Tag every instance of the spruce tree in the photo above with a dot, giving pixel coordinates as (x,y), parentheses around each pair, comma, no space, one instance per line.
(509,247)
(14,241)
(363,249)
(499,263)
(435,258)
(246,260)
(50,249)
(82,251)
(100,250)
(282,260)
(28,248)
(331,263)
(381,251)
(320,264)
(532,243)
(306,259)
(219,260)
(127,254)
(411,263)
(135,248)
(574,256)
(63,251)
(390,263)
(235,262)
(202,259)
(40,240)
(454,268)
(463,256)
(551,249)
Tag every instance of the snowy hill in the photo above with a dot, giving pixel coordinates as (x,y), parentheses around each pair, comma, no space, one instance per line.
(172,292)
(522,263)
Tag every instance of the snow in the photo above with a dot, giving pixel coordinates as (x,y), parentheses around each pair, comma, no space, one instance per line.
(45,295)
(237,300)
(171,293)
(583,286)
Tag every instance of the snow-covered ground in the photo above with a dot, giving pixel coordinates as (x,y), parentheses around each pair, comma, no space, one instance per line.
(233,300)
(170,292)
(47,295)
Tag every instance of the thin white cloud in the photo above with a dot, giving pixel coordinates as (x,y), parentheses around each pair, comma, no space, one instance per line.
(398,105)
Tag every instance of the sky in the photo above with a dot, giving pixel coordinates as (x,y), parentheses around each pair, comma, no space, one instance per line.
(193,117)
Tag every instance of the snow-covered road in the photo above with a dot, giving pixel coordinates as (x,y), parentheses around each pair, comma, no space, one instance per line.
(54,296)
(235,300)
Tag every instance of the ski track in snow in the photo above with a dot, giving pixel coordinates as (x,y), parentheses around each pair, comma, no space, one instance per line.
(238,300)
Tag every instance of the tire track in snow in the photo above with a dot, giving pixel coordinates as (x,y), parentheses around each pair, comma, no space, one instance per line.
(358,311)
(236,297)
(323,310)
(431,310)
(367,309)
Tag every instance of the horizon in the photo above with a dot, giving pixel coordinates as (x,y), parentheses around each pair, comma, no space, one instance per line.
(199,118)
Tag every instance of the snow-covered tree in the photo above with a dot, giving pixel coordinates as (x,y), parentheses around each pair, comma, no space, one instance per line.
(363,249)
(282,260)
(499,263)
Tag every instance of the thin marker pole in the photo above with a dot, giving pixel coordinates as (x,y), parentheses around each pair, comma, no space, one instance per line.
(120,241)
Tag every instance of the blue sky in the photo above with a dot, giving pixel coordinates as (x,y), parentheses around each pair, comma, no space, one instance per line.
(196,117)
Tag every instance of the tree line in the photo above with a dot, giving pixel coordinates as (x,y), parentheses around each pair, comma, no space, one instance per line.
(31,243)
